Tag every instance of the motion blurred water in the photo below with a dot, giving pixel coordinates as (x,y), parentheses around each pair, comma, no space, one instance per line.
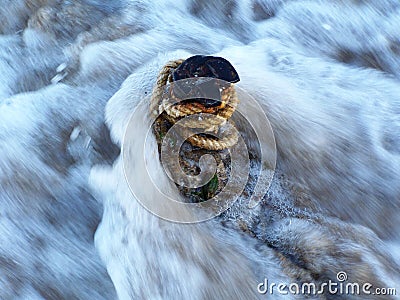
(327,76)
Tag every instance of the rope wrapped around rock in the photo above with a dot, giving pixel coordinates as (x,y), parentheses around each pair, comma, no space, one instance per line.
(161,104)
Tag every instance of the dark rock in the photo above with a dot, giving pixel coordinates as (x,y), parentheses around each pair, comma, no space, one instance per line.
(205,90)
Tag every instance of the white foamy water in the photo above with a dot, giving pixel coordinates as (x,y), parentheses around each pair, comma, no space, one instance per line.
(327,76)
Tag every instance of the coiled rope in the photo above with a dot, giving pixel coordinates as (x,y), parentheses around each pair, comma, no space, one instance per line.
(161,104)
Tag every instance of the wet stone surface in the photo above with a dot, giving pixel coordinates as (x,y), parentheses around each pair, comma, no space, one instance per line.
(204,67)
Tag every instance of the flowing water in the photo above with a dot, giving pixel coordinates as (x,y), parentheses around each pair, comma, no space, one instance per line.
(72,72)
